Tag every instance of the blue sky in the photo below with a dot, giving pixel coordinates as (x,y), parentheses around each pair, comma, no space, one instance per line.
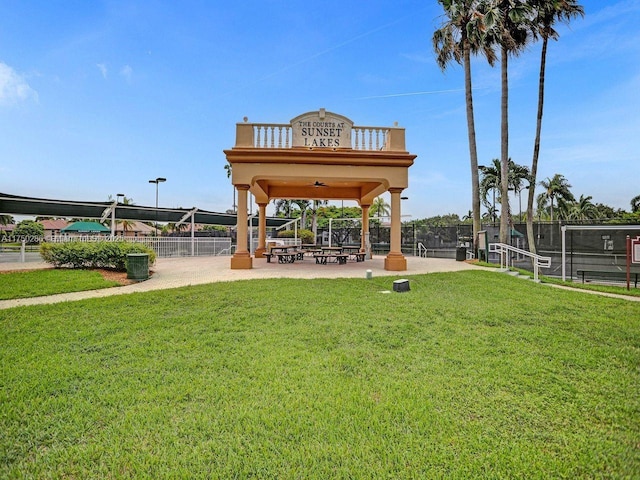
(98,97)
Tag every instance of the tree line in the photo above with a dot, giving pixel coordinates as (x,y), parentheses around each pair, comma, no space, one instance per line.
(555,202)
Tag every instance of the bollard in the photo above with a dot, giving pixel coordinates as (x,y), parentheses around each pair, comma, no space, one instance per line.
(369,274)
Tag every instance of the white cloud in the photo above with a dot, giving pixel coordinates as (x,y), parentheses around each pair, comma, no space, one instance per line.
(13,87)
(103,69)
(126,72)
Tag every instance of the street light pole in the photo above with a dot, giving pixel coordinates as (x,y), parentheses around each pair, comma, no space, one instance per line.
(414,231)
(118,195)
(157,181)
(520,204)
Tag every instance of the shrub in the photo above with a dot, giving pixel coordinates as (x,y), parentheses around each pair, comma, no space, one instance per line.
(92,254)
(30,230)
(306,236)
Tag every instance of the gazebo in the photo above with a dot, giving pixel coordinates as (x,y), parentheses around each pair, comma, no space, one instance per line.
(318,155)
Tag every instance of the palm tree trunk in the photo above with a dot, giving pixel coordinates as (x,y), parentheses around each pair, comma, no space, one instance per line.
(504,147)
(314,220)
(473,152)
(536,149)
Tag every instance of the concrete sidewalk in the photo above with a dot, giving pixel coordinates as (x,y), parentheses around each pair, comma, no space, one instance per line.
(179,272)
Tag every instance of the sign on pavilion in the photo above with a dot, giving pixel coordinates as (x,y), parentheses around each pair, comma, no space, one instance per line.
(321,130)
(319,148)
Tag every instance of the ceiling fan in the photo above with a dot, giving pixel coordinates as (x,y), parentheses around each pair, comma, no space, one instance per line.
(319,184)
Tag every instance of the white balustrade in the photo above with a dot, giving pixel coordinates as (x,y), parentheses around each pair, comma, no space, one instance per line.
(265,135)
(276,135)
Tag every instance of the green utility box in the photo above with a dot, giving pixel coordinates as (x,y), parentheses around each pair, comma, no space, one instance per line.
(138,266)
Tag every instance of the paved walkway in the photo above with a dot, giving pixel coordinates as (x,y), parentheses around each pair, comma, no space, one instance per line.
(179,272)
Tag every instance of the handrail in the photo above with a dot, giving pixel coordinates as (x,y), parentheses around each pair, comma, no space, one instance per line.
(503,249)
(422,248)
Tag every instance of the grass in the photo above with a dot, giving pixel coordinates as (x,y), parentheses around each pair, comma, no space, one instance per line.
(595,287)
(35,283)
(468,375)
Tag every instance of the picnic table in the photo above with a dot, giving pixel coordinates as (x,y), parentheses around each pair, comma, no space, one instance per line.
(288,254)
(322,254)
(354,252)
(329,250)
(285,249)
(324,258)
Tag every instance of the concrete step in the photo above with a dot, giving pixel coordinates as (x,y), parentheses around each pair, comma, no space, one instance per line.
(516,274)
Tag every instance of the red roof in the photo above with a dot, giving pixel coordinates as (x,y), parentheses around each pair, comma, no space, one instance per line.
(57,224)
(135,226)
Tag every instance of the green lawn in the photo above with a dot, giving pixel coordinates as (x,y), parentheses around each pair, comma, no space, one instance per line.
(35,283)
(616,289)
(468,375)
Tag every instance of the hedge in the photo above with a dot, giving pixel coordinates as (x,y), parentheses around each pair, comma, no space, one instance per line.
(306,236)
(112,255)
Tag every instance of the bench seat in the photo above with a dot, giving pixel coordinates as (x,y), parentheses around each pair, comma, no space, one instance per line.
(608,275)
(323,258)
(286,257)
(357,256)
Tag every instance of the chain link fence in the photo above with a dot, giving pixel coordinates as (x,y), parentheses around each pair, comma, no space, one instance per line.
(592,248)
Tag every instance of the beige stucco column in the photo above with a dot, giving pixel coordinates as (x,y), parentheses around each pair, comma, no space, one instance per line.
(262,230)
(395,260)
(365,228)
(242,258)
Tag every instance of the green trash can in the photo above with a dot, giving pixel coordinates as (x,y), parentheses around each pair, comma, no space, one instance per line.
(138,266)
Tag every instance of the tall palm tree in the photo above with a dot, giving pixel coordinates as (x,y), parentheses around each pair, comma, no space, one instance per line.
(490,214)
(178,228)
(507,20)
(518,174)
(283,207)
(490,182)
(460,36)
(556,189)
(583,209)
(303,205)
(547,13)
(314,216)
(380,208)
